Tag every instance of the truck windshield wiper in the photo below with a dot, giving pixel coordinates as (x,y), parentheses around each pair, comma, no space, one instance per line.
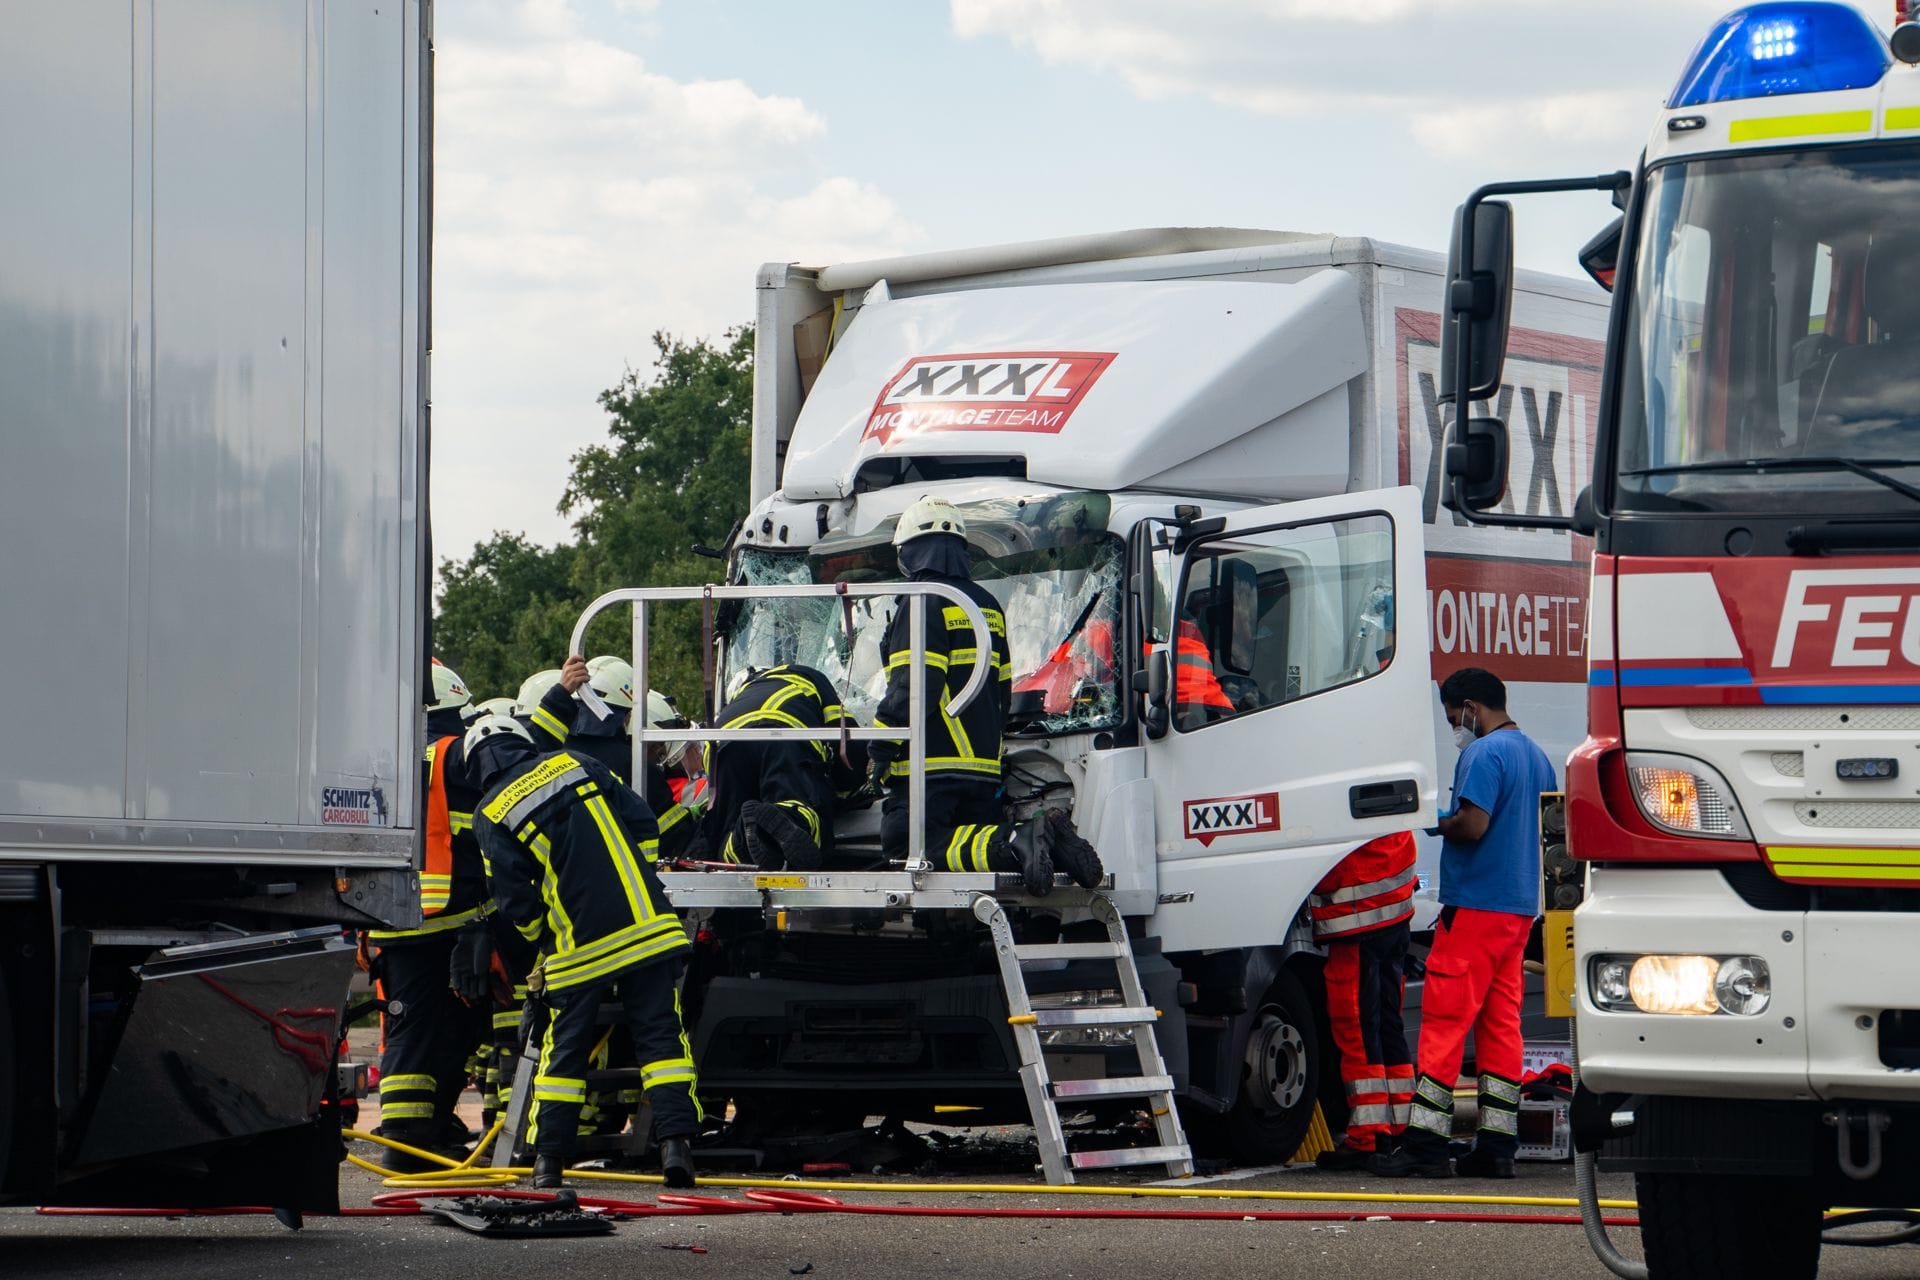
(1864,470)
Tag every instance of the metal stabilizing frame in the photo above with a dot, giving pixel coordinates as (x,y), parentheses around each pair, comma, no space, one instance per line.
(918,887)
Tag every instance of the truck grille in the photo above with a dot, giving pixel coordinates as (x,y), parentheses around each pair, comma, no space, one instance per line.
(1880,814)
(1804,719)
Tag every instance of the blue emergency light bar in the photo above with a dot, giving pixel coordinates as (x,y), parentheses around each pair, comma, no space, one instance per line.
(1765,50)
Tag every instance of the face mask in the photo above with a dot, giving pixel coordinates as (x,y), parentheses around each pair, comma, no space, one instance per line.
(1464,734)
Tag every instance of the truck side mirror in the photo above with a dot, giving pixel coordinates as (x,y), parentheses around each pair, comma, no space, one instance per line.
(1586,520)
(1479,302)
(1600,256)
(1476,465)
(1151,681)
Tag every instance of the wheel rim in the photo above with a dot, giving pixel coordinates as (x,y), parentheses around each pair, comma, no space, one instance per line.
(1276,1064)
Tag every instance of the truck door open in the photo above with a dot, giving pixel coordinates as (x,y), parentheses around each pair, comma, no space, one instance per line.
(1299,708)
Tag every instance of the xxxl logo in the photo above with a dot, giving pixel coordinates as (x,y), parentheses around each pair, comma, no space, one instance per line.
(988,391)
(1208,820)
(1850,618)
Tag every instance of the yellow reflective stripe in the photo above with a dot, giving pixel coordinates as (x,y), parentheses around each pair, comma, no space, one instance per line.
(956,619)
(506,1021)
(392,1084)
(549,722)
(1814,124)
(956,848)
(1903,117)
(460,821)
(669,940)
(623,860)
(1827,855)
(949,764)
(666,1071)
(531,930)
(1820,871)
(904,658)
(599,947)
(806,812)
(557,1089)
(980,843)
(406,1111)
(439,924)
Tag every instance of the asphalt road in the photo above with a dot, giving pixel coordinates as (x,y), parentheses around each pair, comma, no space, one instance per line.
(840,1247)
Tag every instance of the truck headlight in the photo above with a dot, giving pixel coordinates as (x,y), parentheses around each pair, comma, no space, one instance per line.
(1688,985)
(1685,796)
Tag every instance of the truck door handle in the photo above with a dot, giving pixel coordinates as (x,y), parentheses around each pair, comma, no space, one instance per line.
(1383,799)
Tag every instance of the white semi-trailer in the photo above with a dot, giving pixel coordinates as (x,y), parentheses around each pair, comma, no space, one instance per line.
(213,338)
(1237,427)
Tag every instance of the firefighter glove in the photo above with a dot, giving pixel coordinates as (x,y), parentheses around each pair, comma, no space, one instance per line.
(469,971)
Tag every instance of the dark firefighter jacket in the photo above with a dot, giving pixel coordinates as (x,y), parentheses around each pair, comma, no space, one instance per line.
(570,854)
(963,746)
(453,882)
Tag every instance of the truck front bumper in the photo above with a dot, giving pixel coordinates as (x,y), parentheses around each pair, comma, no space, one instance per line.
(1844,992)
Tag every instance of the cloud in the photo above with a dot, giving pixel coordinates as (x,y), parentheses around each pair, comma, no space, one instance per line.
(583,201)
(1536,74)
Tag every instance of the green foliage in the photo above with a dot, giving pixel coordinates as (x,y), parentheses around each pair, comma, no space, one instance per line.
(672,473)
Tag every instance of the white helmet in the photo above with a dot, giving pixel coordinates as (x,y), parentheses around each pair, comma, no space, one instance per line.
(612,679)
(534,688)
(492,726)
(738,682)
(449,690)
(494,707)
(661,712)
(928,515)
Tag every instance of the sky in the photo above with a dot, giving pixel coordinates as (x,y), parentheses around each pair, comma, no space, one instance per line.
(606,169)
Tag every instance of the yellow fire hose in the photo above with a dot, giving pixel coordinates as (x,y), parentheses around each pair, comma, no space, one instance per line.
(467,1174)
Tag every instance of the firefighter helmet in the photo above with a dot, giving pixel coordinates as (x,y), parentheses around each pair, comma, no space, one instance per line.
(662,714)
(928,515)
(449,690)
(612,679)
(534,688)
(492,726)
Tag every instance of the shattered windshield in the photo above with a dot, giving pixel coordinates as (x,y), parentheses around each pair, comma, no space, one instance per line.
(1047,558)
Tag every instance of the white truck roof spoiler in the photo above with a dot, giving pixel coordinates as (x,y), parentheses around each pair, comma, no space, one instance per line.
(1145,242)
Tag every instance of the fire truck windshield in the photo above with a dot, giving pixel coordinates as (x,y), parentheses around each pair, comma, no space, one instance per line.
(1775,318)
(1047,558)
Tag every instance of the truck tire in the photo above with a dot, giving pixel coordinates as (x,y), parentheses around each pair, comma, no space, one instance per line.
(1694,1226)
(1279,1077)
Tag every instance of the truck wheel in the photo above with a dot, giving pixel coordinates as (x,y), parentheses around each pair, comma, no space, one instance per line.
(1279,1076)
(1699,1225)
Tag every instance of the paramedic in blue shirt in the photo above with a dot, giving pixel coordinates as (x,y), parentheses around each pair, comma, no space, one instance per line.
(1489,894)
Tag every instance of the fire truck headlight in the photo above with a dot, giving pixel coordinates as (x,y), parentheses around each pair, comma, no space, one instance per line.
(1686,985)
(1685,796)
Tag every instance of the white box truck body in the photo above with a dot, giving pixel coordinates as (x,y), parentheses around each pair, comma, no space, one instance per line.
(1235,426)
(213,336)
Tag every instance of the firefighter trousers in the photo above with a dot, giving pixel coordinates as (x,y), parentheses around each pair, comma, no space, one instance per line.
(1366,975)
(427,1038)
(789,774)
(961,818)
(1475,979)
(648,995)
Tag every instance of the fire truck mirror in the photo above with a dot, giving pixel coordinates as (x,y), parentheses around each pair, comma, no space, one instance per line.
(1479,301)
(1151,682)
(1243,601)
(1476,464)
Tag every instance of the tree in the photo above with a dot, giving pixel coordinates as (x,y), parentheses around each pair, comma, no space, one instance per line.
(672,473)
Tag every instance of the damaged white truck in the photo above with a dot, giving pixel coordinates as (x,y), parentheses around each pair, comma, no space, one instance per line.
(1204,426)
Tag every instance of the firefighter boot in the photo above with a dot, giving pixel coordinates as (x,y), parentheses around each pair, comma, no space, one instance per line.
(417,1136)
(676,1163)
(1070,852)
(1483,1163)
(1023,848)
(788,834)
(549,1172)
(762,852)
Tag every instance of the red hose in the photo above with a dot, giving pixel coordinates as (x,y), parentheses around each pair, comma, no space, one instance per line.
(396,1204)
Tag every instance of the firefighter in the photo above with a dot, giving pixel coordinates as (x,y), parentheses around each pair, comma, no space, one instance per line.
(570,858)
(609,739)
(1490,894)
(962,818)
(1362,912)
(434,977)
(773,801)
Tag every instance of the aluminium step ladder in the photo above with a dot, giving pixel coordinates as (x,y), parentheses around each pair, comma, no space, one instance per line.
(1153,1086)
